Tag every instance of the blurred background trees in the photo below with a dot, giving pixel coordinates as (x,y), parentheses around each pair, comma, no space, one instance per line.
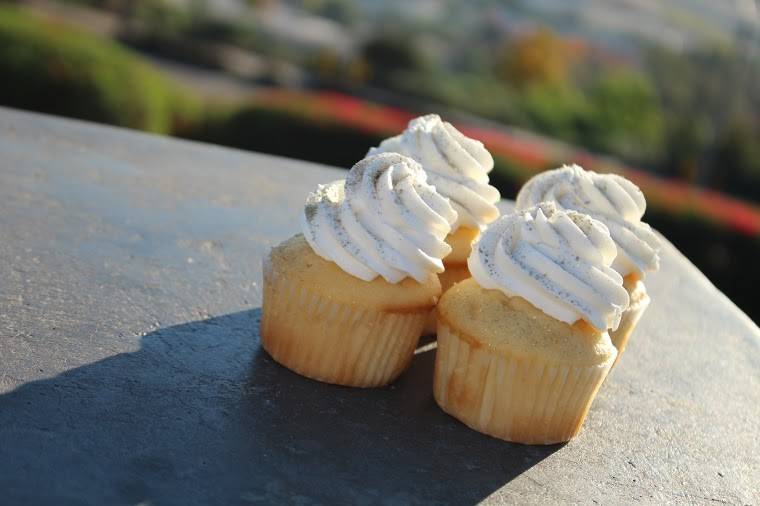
(670,89)
(60,70)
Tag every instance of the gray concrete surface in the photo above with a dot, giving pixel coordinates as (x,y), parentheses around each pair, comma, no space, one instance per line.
(130,369)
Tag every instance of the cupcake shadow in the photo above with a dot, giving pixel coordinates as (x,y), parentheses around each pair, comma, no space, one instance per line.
(388,445)
(200,414)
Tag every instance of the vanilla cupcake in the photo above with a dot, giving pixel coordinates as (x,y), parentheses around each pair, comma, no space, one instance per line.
(458,167)
(523,345)
(619,204)
(346,301)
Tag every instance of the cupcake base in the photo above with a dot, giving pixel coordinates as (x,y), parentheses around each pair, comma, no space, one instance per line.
(506,369)
(630,318)
(522,400)
(336,343)
(323,323)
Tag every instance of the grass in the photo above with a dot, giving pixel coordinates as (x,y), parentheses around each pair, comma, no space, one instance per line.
(50,67)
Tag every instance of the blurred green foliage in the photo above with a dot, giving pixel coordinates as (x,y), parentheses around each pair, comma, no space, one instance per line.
(342,11)
(187,34)
(676,117)
(532,84)
(539,57)
(52,68)
(693,114)
(285,132)
(159,17)
(391,56)
(626,117)
(712,125)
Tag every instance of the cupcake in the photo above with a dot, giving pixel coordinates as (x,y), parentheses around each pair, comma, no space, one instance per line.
(458,167)
(523,345)
(619,204)
(346,301)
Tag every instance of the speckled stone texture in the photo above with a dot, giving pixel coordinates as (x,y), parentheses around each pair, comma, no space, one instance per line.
(131,371)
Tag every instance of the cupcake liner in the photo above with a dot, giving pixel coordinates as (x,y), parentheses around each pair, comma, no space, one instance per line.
(519,399)
(628,321)
(333,342)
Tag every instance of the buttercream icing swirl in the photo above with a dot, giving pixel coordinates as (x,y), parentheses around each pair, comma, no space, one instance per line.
(383,219)
(456,165)
(557,260)
(610,198)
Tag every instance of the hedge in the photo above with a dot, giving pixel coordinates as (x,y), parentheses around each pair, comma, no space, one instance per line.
(50,67)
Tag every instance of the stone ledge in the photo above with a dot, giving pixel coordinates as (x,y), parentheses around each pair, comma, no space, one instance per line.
(130,271)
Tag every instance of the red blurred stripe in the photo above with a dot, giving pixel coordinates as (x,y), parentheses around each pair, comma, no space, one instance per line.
(530,154)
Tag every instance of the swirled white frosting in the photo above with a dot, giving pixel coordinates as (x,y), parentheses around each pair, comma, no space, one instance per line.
(612,199)
(383,219)
(559,261)
(456,165)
